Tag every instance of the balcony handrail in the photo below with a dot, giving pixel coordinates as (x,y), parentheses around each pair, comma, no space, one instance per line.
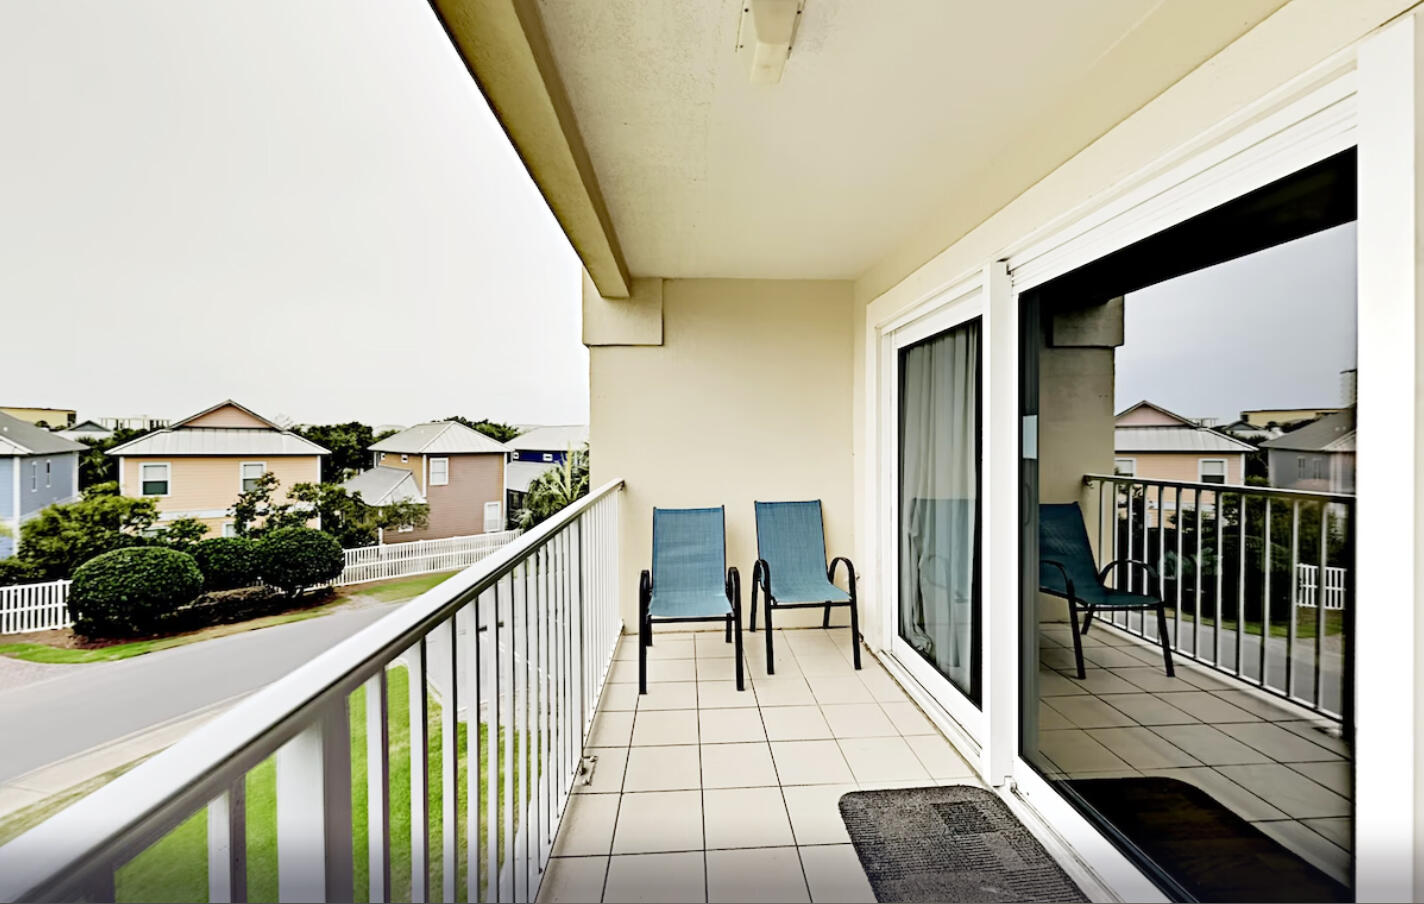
(64,856)
(1229,488)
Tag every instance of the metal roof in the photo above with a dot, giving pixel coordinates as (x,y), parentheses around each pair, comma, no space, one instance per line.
(219,441)
(382,486)
(552,438)
(440,438)
(19,437)
(1332,433)
(519,474)
(1175,439)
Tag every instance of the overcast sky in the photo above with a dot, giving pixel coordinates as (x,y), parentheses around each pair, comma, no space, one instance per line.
(1271,330)
(306,206)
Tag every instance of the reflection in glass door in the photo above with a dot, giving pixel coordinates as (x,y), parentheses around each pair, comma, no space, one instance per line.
(939,464)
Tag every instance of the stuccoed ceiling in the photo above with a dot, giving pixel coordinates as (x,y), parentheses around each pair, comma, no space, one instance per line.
(889,112)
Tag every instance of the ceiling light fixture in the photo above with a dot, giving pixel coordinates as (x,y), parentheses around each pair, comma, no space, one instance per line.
(766,32)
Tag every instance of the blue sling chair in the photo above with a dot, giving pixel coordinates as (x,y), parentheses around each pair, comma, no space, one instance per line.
(1066,569)
(791,569)
(687,583)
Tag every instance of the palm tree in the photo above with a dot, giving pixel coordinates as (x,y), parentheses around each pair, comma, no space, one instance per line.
(556,488)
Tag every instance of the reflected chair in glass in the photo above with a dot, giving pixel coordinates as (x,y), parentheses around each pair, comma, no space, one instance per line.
(791,570)
(687,582)
(1067,569)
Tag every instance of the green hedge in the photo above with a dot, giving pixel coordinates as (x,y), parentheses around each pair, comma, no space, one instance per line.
(228,562)
(129,591)
(295,558)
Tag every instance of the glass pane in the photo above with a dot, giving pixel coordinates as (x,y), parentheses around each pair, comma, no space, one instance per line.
(155,488)
(939,503)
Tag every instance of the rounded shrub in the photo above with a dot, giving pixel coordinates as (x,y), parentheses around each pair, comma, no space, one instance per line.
(228,562)
(128,591)
(295,558)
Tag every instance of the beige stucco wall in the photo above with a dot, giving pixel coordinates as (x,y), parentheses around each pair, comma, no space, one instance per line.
(747,398)
(212,482)
(1147,417)
(1183,465)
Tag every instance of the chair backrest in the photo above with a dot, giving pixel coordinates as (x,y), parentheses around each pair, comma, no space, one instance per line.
(1063,538)
(792,539)
(689,549)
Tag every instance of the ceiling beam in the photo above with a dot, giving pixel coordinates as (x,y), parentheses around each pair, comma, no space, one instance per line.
(507,52)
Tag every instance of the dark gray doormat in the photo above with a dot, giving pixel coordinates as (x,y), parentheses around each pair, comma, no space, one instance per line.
(951,843)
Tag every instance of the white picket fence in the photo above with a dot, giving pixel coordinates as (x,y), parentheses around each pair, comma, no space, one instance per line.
(1307,580)
(42,607)
(398,560)
(34,607)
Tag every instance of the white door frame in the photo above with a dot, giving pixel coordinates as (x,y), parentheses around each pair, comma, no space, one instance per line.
(1322,112)
(945,311)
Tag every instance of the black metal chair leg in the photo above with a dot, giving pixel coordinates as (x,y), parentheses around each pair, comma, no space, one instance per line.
(728,638)
(1162,636)
(770,659)
(826,619)
(855,632)
(1077,640)
(755,582)
(1087,619)
(645,630)
(737,616)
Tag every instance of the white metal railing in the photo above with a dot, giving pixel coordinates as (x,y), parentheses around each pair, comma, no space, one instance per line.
(42,607)
(34,607)
(547,607)
(395,560)
(1230,562)
(1307,577)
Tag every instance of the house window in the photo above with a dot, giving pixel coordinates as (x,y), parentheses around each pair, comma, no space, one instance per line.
(405,528)
(405,459)
(439,472)
(153,479)
(1300,466)
(515,456)
(252,471)
(548,456)
(1125,467)
(229,529)
(1319,468)
(1212,470)
(34,476)
(493,519)
(49,467)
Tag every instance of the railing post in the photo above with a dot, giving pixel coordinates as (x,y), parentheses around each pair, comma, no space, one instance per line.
(314,859)
(227,845)
(419,777)
(378,791)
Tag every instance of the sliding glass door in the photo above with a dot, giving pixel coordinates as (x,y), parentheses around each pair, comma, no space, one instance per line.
(938,627)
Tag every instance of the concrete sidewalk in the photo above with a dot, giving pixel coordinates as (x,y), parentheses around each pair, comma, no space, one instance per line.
(71,772)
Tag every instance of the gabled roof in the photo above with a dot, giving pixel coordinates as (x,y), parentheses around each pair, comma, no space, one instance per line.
(227,403)
(1332,433)
(440,438)
(1176,439)
(88,426)
(383,486)
(551,438)
(19,437)
(1158,408)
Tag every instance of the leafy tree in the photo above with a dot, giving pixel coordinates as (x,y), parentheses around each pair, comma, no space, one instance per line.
(15,570)
(255,513)
(62,537)
(181,534)
(349,443)
(556,488)
(95,466)
(296,558)
(348,518)
(493,429)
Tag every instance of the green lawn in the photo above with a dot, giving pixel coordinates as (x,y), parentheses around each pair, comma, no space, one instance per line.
(175,868)
(1305,623)
(389,591)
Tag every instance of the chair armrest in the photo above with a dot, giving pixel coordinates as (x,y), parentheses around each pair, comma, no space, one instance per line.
(645,585)
(1067,581)
(734,587)
(1145,566)
(761,575)
(850,571)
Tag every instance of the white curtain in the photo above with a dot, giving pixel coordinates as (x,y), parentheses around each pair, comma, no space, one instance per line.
(939,490)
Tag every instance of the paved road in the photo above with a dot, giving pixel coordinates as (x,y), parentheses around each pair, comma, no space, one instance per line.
(73,711)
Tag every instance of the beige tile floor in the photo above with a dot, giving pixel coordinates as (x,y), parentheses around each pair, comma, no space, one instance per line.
(704,793)
(1271,763)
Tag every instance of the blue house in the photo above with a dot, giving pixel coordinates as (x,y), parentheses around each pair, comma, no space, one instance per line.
(37,469)
(535,451)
